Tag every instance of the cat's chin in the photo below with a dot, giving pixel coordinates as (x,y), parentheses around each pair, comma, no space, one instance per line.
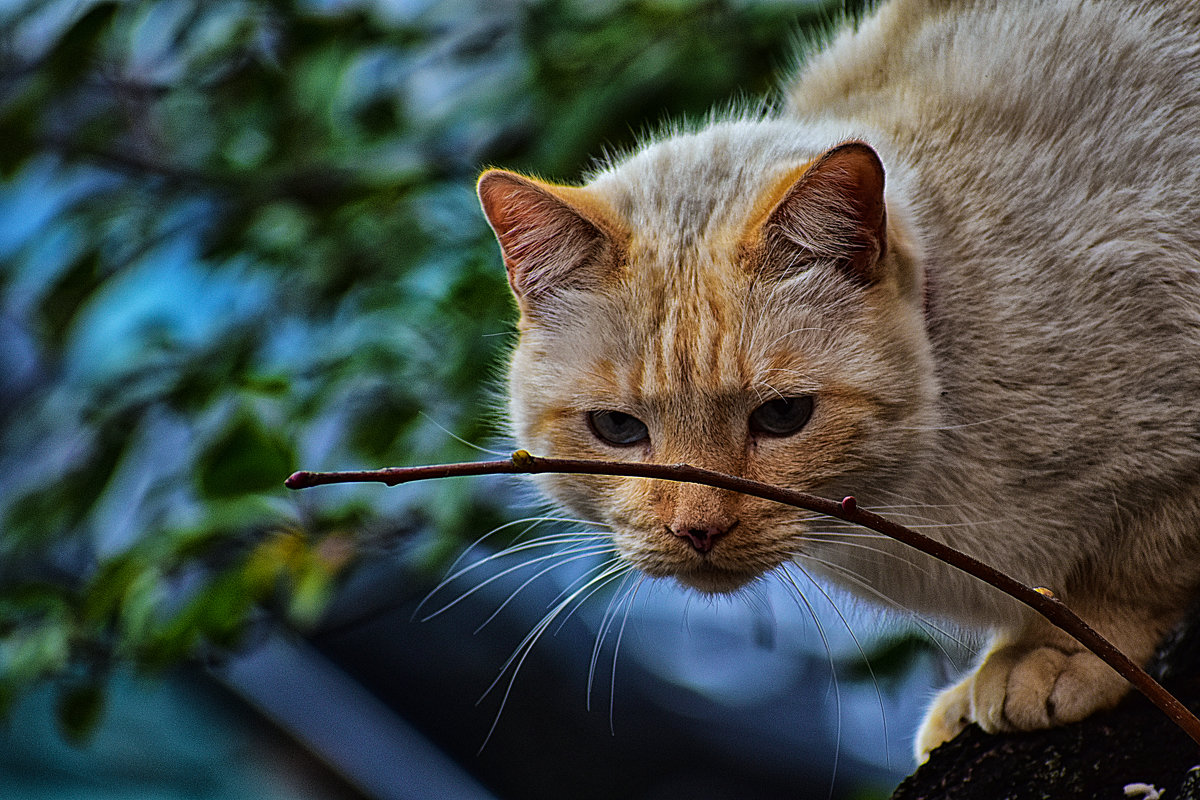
(713,580)
(705,575)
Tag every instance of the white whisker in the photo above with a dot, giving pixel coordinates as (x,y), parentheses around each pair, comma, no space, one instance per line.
(547,541)
(858,646)
(924,570)
(567,557)
(613,559)
(529,522)
(837,694)
(525,647)
(953,509)
(960,425)
(594,548)
(606,622)
(851,577)
(612,686)
(849,534)
(461,440)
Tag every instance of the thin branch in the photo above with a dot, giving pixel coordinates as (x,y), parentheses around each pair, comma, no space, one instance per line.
(1039,599)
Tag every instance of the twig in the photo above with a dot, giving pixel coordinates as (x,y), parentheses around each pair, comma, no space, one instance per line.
(1039,599)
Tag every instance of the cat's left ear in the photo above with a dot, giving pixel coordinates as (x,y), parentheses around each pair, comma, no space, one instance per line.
(834,211)
(551,237)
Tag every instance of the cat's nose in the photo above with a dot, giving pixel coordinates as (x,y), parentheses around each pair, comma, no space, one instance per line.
(703,538)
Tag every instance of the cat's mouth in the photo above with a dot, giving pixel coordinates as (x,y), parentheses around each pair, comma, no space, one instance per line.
(723,567)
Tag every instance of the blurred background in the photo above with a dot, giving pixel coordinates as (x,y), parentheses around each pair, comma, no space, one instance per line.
(239,238)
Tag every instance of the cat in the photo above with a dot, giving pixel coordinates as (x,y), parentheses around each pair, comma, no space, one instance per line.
(956,275)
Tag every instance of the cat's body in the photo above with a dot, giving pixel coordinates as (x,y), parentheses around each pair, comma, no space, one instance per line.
(1008,352)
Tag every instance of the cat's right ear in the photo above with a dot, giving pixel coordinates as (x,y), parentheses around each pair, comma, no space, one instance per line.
(550,240)
(834,212)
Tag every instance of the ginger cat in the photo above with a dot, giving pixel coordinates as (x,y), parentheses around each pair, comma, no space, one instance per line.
(958,277)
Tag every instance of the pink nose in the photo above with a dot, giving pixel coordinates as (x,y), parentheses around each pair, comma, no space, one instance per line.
(702,539)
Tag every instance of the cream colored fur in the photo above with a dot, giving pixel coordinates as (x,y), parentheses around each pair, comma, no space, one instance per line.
(1018,368)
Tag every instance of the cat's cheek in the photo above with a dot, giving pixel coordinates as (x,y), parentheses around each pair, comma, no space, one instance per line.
(618,504)
(582,496)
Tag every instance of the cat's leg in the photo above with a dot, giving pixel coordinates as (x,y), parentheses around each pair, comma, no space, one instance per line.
(945,718)
(1041,677)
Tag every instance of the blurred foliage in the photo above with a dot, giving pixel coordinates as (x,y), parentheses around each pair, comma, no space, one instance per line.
(239,237)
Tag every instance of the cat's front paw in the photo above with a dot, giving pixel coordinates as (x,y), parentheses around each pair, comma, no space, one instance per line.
(945,718)
(1020,688)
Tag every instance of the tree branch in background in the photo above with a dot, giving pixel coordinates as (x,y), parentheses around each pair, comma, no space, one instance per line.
(1040,599)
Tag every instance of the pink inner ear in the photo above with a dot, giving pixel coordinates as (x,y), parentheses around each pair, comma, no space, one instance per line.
(836,210)
(545,241)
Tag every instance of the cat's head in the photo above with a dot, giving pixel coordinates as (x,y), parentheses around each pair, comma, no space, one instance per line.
(711,303)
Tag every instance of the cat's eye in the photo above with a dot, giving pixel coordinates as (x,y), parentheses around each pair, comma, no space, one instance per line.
(617,428)
(782,416)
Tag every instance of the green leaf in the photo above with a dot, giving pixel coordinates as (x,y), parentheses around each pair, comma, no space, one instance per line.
(77,284)
(890,657)
(381,421)
(217,615)
(73,53)
(55,509)
(311,592)
(106,592)
(38,651)
(246,458)
(79,711)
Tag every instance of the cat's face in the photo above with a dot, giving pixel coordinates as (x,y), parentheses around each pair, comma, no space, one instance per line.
(738,343)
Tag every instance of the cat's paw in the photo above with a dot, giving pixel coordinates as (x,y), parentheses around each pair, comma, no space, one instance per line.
(1021,688)
(945,718)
